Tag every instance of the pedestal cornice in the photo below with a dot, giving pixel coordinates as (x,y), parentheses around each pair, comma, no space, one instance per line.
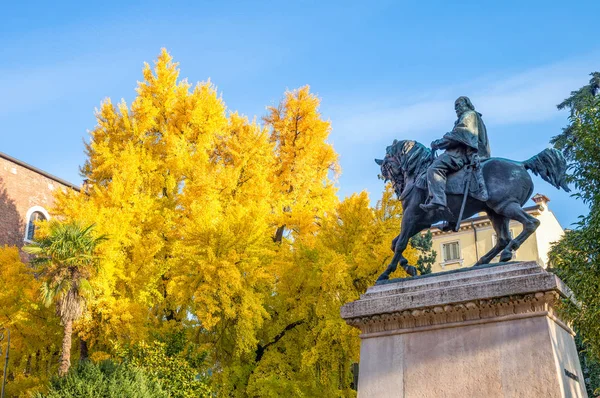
(451,299)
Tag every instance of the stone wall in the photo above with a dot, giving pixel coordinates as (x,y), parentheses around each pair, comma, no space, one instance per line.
(22,189)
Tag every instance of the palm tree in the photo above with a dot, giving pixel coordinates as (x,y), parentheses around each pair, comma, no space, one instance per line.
(65,260)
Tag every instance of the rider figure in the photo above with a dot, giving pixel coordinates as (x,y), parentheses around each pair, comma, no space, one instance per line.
(466,144)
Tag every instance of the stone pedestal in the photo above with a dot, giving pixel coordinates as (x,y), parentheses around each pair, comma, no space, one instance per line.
(477,332)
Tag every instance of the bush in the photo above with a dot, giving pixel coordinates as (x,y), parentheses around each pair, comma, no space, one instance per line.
(106,379)
(163,365)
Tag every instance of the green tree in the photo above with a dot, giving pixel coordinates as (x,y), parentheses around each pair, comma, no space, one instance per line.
(576,258)
(590,366)
(424,245)
(578,100)
(64,258)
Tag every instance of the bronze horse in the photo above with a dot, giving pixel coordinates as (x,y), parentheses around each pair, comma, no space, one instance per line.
(509,187)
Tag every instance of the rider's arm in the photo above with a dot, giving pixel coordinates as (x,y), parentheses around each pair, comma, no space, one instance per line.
(442,143)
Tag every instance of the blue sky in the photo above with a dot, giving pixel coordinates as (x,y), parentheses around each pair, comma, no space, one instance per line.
(384,70)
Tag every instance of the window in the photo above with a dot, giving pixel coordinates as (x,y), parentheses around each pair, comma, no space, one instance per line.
(36,213)
(36,216)
(451,251)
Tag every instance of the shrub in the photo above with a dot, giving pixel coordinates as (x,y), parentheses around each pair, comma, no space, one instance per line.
(106,379)
(177,376)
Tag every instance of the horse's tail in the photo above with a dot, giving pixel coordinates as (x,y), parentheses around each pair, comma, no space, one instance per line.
(550,164)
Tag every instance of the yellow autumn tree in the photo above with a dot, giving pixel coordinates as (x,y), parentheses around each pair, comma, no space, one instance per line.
(228,233)
(286,171)
(184,195)
(306,164)
(307,349)
(35,333)
(226,253)
(140,161)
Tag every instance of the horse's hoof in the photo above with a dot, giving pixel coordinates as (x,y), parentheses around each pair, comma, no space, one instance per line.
(410,270)
(506,257)
(382,277)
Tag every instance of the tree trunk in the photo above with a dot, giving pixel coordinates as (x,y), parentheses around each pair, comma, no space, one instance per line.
(28,365)
(83,349)
(278,238)
(65,357)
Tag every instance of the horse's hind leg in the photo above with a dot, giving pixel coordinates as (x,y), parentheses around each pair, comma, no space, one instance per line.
(500,225)
(530,224)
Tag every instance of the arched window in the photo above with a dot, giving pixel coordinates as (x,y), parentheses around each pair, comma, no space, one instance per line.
(36,213)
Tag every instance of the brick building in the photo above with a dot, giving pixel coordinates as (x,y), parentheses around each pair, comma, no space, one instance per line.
(26,195)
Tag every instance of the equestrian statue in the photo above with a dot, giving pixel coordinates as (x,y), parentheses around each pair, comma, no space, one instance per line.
(463,181)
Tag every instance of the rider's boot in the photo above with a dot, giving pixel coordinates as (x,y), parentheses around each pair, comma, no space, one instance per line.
(432,207)
(448,226)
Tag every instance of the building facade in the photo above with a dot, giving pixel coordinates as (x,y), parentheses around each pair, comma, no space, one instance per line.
(476,237)
(26,195)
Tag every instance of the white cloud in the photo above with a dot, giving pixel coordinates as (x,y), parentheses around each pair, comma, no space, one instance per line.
(526,97)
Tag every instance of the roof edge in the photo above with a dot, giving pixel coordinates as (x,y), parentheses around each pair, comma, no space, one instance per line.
(475,219)
(39,171)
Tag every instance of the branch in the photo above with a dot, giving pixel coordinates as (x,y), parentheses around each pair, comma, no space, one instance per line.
(260,350)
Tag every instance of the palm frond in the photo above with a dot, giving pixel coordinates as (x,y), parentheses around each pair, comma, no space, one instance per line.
(65,257)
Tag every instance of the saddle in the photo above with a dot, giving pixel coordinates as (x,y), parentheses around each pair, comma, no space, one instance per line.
(455,184)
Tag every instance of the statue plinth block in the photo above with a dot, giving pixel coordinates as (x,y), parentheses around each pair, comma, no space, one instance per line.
(489,331)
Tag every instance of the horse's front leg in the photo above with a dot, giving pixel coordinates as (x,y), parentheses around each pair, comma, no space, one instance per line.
(393,247)
(409,228)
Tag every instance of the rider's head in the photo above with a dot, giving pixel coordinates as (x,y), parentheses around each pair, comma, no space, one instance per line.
(463,104)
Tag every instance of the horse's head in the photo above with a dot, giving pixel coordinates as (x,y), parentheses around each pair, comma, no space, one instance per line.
(404,160)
